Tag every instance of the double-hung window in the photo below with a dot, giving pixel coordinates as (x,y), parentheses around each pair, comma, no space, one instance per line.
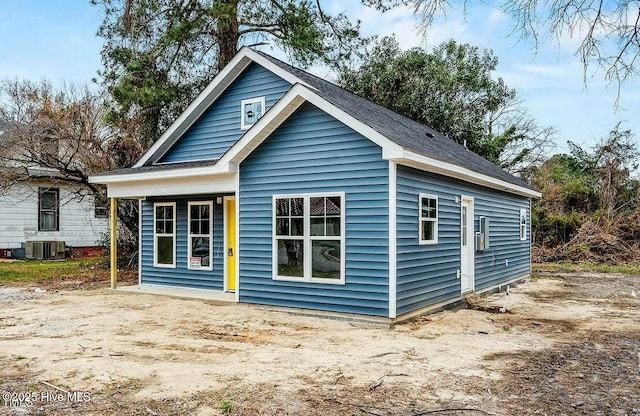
(200,226)
(164,234)
(428,212)
(523,224)
(49,209)
(308,238)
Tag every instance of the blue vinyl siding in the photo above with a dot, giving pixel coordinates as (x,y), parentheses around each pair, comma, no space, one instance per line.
(219,127)
(182,276)
(313,152)
(427,274)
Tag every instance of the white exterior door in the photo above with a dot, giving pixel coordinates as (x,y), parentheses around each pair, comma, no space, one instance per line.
(467,245)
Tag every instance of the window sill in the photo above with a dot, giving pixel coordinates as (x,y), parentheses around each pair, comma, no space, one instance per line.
(312,280)
(207,269)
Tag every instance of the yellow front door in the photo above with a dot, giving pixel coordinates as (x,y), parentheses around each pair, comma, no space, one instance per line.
(230,211)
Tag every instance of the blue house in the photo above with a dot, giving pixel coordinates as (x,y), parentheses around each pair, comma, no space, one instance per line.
(283,189)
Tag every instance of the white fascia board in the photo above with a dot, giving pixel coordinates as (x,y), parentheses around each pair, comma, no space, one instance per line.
(389,147)
(205,184)
(277,114)
(198,106)
(209,95)
(162,174)
(448,169)
(284,108)
(267,64)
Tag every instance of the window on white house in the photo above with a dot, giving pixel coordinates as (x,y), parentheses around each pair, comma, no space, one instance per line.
(428,207)
(523,224)
(49,209)
(250,111)
(100,205)
(164,247)
(309,238)
(200,227)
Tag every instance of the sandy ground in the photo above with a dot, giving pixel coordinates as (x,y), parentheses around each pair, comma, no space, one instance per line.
(565,345)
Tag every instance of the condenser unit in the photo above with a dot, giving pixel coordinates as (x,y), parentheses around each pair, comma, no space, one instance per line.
(45,250)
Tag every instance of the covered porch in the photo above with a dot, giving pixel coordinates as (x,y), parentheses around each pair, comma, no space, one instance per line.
(187,228)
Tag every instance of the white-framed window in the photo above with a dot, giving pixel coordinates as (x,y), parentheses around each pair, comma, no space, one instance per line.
(48,209)
(523,224)
(200,220)
(164,234)
(250,111)
(309,238)
(428,212)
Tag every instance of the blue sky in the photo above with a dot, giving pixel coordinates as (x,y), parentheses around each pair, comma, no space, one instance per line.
(56,40)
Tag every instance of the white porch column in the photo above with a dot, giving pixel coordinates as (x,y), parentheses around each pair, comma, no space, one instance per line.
(114,242)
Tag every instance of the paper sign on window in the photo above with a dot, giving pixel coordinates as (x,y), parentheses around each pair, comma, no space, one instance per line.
(195,262)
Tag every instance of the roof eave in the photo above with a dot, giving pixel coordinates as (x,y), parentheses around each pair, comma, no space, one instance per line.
(409,158)
(163,174)
(291,101)
(390,150)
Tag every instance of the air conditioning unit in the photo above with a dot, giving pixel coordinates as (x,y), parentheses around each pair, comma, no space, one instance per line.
(45,250)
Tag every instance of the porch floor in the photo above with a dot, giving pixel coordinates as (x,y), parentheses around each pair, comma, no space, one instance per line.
(177,292)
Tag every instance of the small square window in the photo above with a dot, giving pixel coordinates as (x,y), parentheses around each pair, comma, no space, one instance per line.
(250,111)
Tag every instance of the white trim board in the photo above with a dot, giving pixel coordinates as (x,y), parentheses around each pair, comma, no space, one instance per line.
(280,112)
(237,195)
(162,174)
(430,164)
(393,240)
(299,94)
(205,184)
(157,235)
(225,244)
(308,239)
(191,236)
(211,93)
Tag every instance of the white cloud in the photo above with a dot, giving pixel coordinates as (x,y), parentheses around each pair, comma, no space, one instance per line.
(496,16)
(534,76)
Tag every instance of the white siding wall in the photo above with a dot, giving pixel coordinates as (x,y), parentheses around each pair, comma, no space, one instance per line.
(19,219)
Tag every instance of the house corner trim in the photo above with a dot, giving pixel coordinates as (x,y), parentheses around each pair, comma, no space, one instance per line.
(392,239)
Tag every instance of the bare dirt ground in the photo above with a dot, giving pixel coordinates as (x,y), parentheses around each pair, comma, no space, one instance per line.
(567,345)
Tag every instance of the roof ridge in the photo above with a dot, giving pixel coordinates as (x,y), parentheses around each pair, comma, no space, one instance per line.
(409,133)
(334,85)
(273,58)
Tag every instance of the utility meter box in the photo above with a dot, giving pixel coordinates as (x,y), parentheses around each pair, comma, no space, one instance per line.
(482,237)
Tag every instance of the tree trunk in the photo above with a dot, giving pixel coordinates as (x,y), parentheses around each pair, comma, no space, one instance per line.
(128,214)
(228,31)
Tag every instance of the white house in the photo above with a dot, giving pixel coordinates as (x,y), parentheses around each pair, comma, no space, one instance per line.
(39,219)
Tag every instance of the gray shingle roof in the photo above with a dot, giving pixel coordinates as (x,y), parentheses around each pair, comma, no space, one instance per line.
(407,133)
(159,167)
